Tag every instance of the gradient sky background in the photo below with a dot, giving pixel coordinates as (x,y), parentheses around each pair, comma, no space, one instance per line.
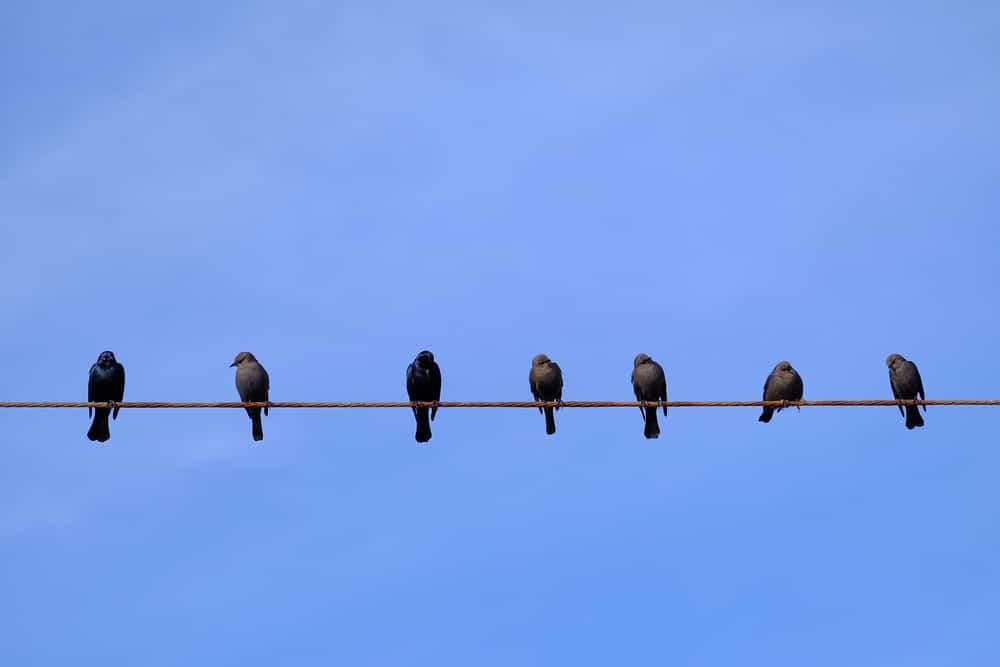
(335,186)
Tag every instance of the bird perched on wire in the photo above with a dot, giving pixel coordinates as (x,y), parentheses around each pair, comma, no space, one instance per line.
(649,384)
(783,384)
(107,383)
(423,383)
(904,378)
(545,379)
(253,385)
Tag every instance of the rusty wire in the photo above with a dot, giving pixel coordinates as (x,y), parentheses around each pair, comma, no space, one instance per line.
(495,404)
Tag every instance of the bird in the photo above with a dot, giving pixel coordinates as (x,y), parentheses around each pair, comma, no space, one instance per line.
(423,383)
(649,384)
(253,385)
(106,384)
(545,379)
(904,378)
(783,384)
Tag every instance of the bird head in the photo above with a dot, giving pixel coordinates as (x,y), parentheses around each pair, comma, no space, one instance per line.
(894,359)
(540,360)
(242,358)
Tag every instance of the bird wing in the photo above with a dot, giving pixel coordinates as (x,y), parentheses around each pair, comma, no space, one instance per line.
(91,387)
(411,382)
(662,388)
(895,392)
(267,387)
(661,384)
(435,379)
(119,392)
(534,389)
(920,384)
(638,395)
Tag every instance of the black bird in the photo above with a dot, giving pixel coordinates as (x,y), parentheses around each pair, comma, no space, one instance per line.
(107,383)
(546,381)
(649,384)
(783,384)
(904,378)
(253,385)
(423,383)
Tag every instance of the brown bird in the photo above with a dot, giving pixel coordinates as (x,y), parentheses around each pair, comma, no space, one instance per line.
(253,385)
(783,384)
(546,382)
(649,384)
(904,378)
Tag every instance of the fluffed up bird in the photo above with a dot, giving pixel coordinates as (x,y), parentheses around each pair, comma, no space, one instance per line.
(423,383)
(545,378)
(107,383)
(253,385)
(649,384)
(783,384)
(904,378)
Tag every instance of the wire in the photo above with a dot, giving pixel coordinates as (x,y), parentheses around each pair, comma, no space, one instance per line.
(496,404)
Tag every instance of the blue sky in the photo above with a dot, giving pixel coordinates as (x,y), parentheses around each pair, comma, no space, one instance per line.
(335,187)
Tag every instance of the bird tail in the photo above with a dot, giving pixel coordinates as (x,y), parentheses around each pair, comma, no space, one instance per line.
(99,430)
(913,418)
(258,427)
(423,424)
(550,421)
(766,414)
(652,429)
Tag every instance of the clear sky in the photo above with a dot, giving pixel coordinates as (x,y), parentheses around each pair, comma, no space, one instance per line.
(336,186)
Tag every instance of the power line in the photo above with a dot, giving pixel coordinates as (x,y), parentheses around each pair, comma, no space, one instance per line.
(497,404)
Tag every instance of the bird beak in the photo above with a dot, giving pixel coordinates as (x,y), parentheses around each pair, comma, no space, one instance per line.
(232,364)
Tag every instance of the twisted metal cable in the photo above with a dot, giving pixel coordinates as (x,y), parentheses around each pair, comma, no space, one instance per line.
(495,404)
